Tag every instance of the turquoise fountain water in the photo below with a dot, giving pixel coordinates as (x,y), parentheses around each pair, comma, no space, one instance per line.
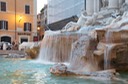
(30,72)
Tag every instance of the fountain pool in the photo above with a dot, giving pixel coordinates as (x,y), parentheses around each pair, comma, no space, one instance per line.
(29,72)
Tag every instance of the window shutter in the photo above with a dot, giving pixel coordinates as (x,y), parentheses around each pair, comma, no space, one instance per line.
(6,25)
(27,9)
(30,27)
(3,6)
(0,24)
(25,26)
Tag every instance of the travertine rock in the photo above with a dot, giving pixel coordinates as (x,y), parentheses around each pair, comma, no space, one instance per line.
(59,69)
(62,70)
(82,55)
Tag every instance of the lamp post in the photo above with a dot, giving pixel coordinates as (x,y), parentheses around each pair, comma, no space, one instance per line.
(38,33)
(15,20)
(20,18)
(18,25)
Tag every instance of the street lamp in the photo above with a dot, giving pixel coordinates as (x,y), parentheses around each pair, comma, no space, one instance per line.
(38,28)
(38,33)
(20,18)
(18,25)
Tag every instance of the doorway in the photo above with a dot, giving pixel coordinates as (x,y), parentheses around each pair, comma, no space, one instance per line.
(6,39)
(24,40)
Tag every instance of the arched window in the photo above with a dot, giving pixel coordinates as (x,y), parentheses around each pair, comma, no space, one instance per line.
(3,25)
(27,26)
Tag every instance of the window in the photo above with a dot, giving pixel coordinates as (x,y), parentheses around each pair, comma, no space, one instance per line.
(3,6)
(23,40)
(27,9)
(27,26)
(3,24)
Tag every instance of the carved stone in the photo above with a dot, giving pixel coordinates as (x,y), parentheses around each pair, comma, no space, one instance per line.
(113,4)
(90,7)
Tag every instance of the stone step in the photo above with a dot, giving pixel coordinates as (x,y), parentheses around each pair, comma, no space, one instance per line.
(6,52)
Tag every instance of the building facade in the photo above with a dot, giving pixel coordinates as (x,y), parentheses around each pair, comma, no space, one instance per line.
(61,9)
(18,20)
(41,22)
(43,14)
(40,28)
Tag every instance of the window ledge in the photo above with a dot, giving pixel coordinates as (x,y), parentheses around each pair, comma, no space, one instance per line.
(27,31)
(3,29)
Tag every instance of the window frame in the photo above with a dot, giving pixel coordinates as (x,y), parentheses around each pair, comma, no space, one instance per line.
(27,12)
(3,25)
(27,27)
(4,10)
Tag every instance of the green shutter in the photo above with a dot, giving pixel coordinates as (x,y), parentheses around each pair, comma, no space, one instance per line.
(30,27)
(6,25)
(0,24)
(24,26)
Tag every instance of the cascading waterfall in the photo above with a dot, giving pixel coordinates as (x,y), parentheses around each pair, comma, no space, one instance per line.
(116,35)
(108,49)
(77,55)
(56,46)
(72,47)
(107,56)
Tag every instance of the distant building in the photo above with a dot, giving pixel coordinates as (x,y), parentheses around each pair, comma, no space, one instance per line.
(42,22)
(18,20)
(60,24)
(59,10)
(39,20)
(40,29)
(43,13)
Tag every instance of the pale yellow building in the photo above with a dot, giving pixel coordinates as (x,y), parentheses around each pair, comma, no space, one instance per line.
(18,20)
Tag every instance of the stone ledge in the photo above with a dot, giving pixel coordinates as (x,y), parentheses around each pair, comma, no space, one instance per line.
(6,52)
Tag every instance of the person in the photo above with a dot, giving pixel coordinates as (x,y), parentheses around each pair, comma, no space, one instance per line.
(4,46)
(16,46)
(13,43)
(0,47)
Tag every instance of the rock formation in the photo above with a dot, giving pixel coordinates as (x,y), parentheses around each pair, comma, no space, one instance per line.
(82,59)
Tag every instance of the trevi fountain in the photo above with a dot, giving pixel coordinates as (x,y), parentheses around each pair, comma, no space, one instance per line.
(92,50)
